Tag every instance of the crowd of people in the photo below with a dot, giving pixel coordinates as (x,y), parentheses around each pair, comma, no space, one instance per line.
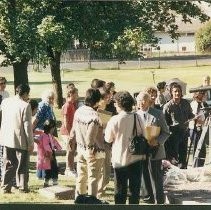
(97,134)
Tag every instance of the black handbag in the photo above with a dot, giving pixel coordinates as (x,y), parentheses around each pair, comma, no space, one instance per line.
(138,144)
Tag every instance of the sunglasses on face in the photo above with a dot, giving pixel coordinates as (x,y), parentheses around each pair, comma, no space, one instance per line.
(3,83)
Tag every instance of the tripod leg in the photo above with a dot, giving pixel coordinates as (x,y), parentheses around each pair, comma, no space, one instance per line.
(189,149)
(199,145)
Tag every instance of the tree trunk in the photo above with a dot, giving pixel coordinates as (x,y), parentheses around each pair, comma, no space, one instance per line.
(20,72)
(56,77)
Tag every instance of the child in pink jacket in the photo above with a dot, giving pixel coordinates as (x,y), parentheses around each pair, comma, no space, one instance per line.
(46,158)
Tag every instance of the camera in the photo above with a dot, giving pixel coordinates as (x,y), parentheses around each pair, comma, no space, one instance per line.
(200,89)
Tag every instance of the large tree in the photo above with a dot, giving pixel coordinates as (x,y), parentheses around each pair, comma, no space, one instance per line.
(27,30)
(103,30)
(32,27)
(18,37)
(55,36)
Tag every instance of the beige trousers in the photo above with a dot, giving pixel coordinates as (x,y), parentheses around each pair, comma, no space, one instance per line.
(105,173)
(89,172)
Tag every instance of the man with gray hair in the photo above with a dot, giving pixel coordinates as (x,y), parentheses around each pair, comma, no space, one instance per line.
(152,171)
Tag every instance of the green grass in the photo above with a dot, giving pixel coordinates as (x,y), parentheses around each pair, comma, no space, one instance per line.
(34,184)
(130,80)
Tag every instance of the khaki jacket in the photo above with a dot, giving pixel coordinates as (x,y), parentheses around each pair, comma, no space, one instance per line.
(16,126)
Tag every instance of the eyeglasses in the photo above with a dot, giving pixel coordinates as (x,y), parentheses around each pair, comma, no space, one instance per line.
(3,83)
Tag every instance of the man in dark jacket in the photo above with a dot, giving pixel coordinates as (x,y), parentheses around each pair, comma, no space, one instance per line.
(177,113)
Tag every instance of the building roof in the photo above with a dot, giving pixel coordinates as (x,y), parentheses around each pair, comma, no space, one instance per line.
(196,23)
(189,27)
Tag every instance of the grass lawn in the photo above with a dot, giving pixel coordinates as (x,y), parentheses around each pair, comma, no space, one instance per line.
(130,80)
(35,185)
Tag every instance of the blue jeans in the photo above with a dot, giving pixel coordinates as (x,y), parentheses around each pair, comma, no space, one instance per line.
(40,174)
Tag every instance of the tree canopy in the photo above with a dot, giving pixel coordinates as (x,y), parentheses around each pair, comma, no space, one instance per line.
(27,25)
(41,30)
(203,38)
(19,40)
(106,31)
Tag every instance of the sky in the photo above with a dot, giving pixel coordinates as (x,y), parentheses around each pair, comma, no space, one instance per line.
(205,6)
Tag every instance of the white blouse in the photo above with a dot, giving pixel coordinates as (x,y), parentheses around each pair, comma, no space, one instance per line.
(119,131)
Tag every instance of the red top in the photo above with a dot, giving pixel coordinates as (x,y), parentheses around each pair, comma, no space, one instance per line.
(68,111)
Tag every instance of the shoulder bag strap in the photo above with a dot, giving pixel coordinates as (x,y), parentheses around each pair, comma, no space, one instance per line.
(134,126)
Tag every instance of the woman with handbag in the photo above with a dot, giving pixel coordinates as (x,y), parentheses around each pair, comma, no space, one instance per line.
(127,167)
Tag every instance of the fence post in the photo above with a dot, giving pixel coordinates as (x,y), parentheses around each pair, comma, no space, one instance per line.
(139,62)
(118,65)
(158,48)
(196,57)
(89,59)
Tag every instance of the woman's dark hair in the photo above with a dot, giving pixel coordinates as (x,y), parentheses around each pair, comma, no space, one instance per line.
(104,92)
(110,85)
(93,83)
(33,103)
(92,97)
(175,85)
(71,91)
(151,90)
(48,124)
(97,83)
(124,100)
(70,85)
(3,79)
(22,89)
(161,85)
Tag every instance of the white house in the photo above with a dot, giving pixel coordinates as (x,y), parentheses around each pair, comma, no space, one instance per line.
(185,44)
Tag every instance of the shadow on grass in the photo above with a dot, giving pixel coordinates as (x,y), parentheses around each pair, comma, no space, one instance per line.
(32,167)
(46,82)
(50,82)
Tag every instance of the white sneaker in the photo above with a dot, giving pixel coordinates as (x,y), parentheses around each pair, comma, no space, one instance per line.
(70,173)
(55,182)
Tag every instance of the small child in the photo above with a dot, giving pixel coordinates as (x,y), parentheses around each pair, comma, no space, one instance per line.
(46,153)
